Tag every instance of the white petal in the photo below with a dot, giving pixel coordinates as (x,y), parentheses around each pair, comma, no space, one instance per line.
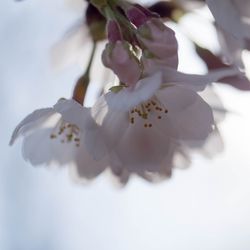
(142,149)
(188,117)
(38,149)
(102,137)
(31,121)
(86,167)
(127,98)
(219,111)
(213,145)
(95,142)
(192,81)
(72,112)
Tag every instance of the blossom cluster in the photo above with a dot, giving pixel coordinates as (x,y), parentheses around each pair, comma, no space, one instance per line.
(154,116)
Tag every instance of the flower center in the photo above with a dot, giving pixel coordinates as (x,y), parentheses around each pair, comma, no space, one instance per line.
(148,111)
(66,132)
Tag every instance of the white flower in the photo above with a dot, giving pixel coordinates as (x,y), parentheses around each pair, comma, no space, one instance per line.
(49,138)
(141,128)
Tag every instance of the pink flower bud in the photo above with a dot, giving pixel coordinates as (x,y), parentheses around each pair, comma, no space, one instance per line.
(122,61)
(136,16)
(159,40)
(114,32)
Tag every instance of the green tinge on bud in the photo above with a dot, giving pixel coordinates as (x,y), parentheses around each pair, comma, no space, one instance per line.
(145,32)
(99,3)
(147,54)
(116,89)
(97,31)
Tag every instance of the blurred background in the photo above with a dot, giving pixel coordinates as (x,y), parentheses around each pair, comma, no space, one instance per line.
(205,206)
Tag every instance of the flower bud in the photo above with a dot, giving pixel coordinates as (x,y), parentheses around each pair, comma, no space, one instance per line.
(119,58)
(136,16)
(159,40)
(113,31)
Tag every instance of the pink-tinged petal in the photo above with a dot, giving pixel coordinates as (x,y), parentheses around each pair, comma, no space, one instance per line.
(160,41)
(128,98)
(189,117)
(152,65)
(142,149)
(31,121)
(122,61)
(72,112)
(193,81)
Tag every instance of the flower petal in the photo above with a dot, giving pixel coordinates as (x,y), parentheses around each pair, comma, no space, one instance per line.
(38,148)
(86,167)
(193,81)
(127,98)
(188,117)
(72,112)
(231,20)
(31,121)
(102,136)
(142,149)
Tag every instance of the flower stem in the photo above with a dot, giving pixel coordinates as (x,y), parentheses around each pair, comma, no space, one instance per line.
(82,83)
(91,59)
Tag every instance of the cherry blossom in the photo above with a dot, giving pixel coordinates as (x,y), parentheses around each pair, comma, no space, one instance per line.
(142,128)
(49,139)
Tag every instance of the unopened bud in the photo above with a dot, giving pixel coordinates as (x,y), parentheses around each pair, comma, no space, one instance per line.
(159,40)
(136,16)
(114,32)
(122,61)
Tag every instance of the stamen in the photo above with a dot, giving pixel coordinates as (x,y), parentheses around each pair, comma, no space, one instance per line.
(67,132)
(145,111)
